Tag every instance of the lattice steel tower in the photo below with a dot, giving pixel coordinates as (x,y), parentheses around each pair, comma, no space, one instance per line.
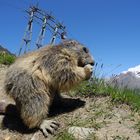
(28,33)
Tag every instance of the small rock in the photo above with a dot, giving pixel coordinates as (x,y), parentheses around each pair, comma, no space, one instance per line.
(80,133)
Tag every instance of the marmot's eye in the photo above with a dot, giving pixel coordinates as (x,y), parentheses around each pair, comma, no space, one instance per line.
(85,50)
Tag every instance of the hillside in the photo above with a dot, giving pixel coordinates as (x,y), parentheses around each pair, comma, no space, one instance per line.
(2,49)
(6,57)
(129,78)
(107,120)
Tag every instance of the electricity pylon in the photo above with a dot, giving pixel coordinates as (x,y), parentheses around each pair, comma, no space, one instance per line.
(41,36)
(28,33)
(55,33)
(36,14)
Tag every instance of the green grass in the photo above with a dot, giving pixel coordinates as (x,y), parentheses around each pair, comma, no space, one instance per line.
(98,87)
(6,59)
(64,136)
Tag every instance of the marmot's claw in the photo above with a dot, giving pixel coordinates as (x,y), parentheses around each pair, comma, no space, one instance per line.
(49,127)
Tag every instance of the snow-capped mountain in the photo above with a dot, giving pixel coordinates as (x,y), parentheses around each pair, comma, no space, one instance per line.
(129,78)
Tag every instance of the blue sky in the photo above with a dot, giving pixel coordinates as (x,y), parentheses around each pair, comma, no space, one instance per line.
(109,28)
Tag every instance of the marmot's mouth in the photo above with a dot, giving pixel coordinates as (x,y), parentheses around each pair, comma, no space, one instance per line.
(82,64)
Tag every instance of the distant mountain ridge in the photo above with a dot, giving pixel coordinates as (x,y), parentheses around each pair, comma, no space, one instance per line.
(129,78)
(2,49)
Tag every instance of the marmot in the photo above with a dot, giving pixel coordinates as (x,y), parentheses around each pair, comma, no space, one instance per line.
(36,77)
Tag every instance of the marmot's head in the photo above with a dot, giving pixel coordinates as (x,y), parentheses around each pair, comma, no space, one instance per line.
(84,57)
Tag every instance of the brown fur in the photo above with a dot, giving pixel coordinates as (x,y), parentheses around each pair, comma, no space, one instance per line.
(37,77)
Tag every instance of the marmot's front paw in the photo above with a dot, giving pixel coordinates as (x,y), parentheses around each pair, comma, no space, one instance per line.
(88,70)
(49,126)
(88,67)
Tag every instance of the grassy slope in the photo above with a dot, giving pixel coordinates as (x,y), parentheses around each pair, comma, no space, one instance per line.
(97,88)
(6,59)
